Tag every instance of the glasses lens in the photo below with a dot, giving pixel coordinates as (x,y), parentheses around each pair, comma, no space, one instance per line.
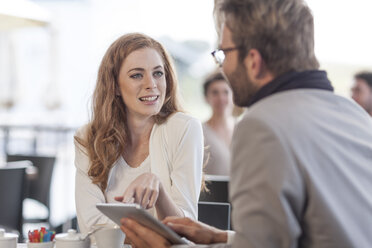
(219,56)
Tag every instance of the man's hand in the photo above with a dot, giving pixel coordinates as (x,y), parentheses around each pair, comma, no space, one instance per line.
(196,231)
(141,236)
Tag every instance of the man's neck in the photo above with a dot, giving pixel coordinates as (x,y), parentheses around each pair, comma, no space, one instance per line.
(264,80)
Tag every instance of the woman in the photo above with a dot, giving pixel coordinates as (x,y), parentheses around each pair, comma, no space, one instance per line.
(138,147)
(219,128)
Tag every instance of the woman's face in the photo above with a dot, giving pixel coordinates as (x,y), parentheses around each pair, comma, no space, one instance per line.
(219,96)
(142,83)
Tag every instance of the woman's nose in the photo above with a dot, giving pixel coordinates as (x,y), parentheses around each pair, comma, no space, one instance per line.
(150,83)
(222,97)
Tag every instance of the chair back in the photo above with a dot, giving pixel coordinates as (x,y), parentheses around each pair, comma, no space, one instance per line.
(12,185)
(217,189)
(39,188)
(215,214)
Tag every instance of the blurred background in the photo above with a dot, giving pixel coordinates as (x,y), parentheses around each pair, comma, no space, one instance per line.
(50,51)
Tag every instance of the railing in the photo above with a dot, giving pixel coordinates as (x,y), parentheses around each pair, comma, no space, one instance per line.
(30,138)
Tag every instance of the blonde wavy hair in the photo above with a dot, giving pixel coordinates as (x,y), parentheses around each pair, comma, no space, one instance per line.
(107,132)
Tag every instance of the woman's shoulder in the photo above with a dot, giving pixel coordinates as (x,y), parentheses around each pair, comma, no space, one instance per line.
(181,117)
(180,120)
(81,156)
(178,129)
(82,132)
(80,138)
(177,125)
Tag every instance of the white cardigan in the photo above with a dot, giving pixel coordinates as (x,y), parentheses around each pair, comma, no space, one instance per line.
(176,157)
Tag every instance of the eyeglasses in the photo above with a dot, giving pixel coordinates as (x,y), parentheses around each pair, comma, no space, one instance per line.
(219,54)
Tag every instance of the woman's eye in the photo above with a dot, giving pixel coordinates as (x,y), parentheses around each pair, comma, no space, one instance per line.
(158,74)
(136,76)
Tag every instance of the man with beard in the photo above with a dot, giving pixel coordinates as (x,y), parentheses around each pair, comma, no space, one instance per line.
(361,91)
(301,172)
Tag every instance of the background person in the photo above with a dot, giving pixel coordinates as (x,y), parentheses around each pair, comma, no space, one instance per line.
(361,90)
(138,147)
(218,129)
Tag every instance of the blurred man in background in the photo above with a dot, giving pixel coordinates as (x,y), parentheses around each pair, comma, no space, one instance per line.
(361,91)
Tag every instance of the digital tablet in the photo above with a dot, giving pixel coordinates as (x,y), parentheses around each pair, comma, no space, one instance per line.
(116,211)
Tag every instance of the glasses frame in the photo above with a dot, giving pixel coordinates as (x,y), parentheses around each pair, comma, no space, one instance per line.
(219,61)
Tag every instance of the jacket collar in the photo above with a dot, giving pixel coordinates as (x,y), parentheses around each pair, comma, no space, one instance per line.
(312,79)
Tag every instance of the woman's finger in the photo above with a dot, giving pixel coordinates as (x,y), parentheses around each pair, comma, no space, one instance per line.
(128,194)
(139,192)
(153,198)
(119,198)
(146,198)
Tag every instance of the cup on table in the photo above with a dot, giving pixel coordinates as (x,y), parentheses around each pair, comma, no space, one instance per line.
(109,235)
(40,245)
(8,240)
(72,239)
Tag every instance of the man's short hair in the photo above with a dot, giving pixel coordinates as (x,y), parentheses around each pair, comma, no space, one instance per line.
(366,76)
(281,30)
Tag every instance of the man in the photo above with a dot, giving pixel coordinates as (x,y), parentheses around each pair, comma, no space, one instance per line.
(361,91)
(301,169)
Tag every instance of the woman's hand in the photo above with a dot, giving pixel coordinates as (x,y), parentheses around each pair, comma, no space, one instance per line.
(144,190)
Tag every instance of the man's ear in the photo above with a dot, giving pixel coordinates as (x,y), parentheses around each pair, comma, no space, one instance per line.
(254,64)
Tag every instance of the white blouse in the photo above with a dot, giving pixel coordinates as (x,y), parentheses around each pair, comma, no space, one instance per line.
(175,156)
(122,176)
